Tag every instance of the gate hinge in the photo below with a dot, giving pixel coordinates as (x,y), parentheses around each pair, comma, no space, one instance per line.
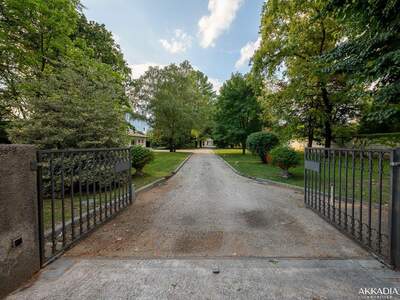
(395,164)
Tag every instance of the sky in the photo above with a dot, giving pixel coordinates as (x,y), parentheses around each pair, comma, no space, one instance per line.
(217,36)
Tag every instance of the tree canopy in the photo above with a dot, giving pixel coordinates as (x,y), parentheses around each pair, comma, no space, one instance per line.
(237,112)
(177,100)
(329,68)
(62,78)
(370,55)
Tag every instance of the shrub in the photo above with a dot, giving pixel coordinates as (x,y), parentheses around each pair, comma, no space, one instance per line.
(140,157)
(285,158)
(261,143)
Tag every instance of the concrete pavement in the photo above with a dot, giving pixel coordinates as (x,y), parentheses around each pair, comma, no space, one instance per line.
(97,278)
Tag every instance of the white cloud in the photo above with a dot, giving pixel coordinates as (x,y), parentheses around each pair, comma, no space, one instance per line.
(139,69)
(222,13)
(179,43)
(217,84)
(247,52)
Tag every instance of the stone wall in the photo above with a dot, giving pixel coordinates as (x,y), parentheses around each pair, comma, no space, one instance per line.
(19,242)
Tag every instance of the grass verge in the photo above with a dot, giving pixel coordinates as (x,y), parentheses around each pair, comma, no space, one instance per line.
(164,164)
(251,165)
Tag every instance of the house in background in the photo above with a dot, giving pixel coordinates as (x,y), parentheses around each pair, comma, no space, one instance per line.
(139,130)
(138,138)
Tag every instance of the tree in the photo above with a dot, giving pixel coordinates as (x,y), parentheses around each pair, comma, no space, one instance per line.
(370,55)
(62,79)
(204,107)
(98,43)
(176,100)
(295,35)
(34,34)
(237,112)
(79,106)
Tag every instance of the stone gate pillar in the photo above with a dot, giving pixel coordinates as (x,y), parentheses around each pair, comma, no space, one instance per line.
(19,237)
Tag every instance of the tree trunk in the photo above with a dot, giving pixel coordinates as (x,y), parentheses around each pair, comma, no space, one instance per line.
(244,148)
(328,134)
(310,134)
(310,141)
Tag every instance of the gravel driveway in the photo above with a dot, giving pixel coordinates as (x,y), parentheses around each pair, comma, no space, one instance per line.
(208,210)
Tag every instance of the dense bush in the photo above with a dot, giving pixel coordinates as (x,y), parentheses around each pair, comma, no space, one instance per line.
(285,158)
(140,157)
(261,143)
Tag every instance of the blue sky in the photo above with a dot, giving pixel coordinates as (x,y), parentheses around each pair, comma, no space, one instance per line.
(216,36)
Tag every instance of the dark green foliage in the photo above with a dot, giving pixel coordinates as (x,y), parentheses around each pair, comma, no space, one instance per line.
(62,79)
(237,112)
(370,54)
(178,99)
(60,119)
(285,158)
(261,143)
(140,157)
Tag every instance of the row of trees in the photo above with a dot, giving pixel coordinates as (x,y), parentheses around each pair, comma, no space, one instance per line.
(329,68)
(63,79)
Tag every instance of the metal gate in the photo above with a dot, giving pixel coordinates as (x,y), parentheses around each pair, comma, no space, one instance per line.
(358,192)
(77,191)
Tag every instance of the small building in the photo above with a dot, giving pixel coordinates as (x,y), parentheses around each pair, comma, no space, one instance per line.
(139,130)
(208,143)
(137,138)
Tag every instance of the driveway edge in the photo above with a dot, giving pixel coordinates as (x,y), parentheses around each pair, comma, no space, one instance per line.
(262,180)
(163,179)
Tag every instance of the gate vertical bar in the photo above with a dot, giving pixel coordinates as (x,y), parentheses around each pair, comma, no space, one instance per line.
(130,176)
(305,178)
(40,209)
(394,217)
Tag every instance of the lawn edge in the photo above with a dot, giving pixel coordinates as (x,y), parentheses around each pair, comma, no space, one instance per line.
(161,180)
(261,180)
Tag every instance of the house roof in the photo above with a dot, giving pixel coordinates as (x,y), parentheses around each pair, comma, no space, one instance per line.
(136,133)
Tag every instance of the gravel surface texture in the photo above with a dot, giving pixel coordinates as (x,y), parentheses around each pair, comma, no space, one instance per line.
(208,210)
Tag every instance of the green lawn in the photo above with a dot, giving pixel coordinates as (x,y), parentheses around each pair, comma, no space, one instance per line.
(251,165)
(162,165)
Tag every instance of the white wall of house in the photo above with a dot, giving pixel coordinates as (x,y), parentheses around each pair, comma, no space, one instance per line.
(139,141)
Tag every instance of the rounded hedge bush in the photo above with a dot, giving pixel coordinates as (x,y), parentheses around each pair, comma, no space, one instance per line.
(140,157)
(261,143)
(285,158)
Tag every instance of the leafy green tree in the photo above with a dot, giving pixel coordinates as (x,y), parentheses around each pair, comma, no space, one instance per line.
(298,92)
(237,112)
(77,107)
(176,100)
(98,43)
(34,34)
(370,55)
(62,79)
